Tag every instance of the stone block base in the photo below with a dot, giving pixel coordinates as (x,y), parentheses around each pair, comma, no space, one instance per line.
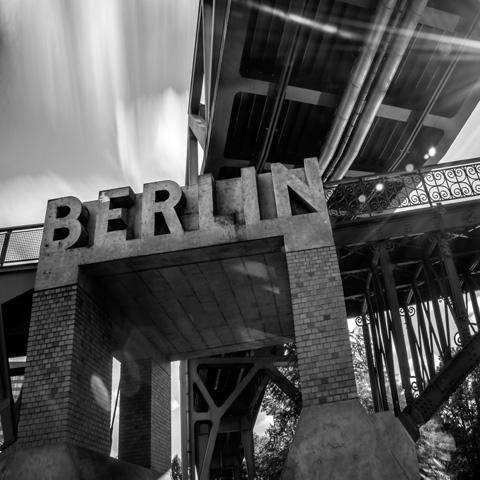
(340,441)
(62,462)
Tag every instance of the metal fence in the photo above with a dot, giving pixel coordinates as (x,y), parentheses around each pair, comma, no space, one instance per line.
(20,245)
(349,200)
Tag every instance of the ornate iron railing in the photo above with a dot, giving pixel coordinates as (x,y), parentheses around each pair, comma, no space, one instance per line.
(353,199)
(20,245)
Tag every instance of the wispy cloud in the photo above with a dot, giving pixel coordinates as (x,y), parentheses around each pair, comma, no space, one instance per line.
(151,137)
(88,98)
(151,140)
(23,199)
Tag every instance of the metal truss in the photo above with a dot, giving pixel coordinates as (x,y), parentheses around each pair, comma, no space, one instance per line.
(421,339)
(221,398)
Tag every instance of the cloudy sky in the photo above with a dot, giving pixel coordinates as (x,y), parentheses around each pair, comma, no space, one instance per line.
(92,95)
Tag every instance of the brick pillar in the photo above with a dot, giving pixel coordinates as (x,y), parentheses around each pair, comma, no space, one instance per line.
(145,414)
(321,333)
(66,392)
(335,438)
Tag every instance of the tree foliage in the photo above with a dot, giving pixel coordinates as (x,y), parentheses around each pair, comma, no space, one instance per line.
(434,450)
(449,444)
(176,473)
(271,449)
(360,367)
(461,417)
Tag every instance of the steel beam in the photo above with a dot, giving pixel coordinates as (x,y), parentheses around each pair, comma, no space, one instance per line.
(413,342)
(397,329)
(434,296)
(461,314)
(377,352)
(371,367)
(427,346)
(290,43)
(444,384)
(8,416)
(461,215)
(472,290)
(386,341)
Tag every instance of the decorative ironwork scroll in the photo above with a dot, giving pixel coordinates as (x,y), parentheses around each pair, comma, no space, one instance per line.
(363,197)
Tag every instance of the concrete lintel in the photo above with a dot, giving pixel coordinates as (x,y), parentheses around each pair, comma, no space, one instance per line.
(204,215)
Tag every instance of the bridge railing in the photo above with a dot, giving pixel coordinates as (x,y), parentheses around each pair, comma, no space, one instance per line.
(20,245)
(363,197)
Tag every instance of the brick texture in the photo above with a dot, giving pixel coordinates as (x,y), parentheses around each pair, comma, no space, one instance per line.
(320,320)
(66,392)
(145,414)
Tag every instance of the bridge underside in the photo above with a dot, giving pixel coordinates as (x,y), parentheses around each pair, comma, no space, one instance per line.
(281,81)
(199,302)
(412,239)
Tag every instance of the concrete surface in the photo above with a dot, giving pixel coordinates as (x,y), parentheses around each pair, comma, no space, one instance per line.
(210,213)
(340,441)
(65,462)
(189,271)
(199,308)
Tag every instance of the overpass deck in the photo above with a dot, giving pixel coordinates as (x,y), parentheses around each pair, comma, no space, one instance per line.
(364,86)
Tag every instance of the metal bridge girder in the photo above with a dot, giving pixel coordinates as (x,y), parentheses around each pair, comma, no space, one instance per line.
(233,416)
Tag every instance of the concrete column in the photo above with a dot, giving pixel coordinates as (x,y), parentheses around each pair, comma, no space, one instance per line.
(66,392)
(145,414)
(335,438)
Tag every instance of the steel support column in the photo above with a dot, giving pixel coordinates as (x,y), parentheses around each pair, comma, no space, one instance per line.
(427,344)
(412,340)
(386,340)
(432,287)
(8,416)
(383,403)
(472,290)
(397,329)
(371,367)
(461,315)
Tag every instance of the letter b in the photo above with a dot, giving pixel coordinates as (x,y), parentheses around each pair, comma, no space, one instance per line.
(65,223)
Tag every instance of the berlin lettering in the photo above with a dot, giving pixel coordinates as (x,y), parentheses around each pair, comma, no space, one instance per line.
(165,208)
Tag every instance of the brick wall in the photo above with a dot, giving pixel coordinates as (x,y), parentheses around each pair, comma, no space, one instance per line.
(66,391)
(161,417)
(320,320)
(145,414)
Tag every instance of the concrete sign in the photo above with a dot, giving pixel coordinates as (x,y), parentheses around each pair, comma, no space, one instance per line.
(167,217)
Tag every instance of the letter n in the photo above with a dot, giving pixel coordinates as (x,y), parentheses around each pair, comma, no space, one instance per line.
(287,183)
